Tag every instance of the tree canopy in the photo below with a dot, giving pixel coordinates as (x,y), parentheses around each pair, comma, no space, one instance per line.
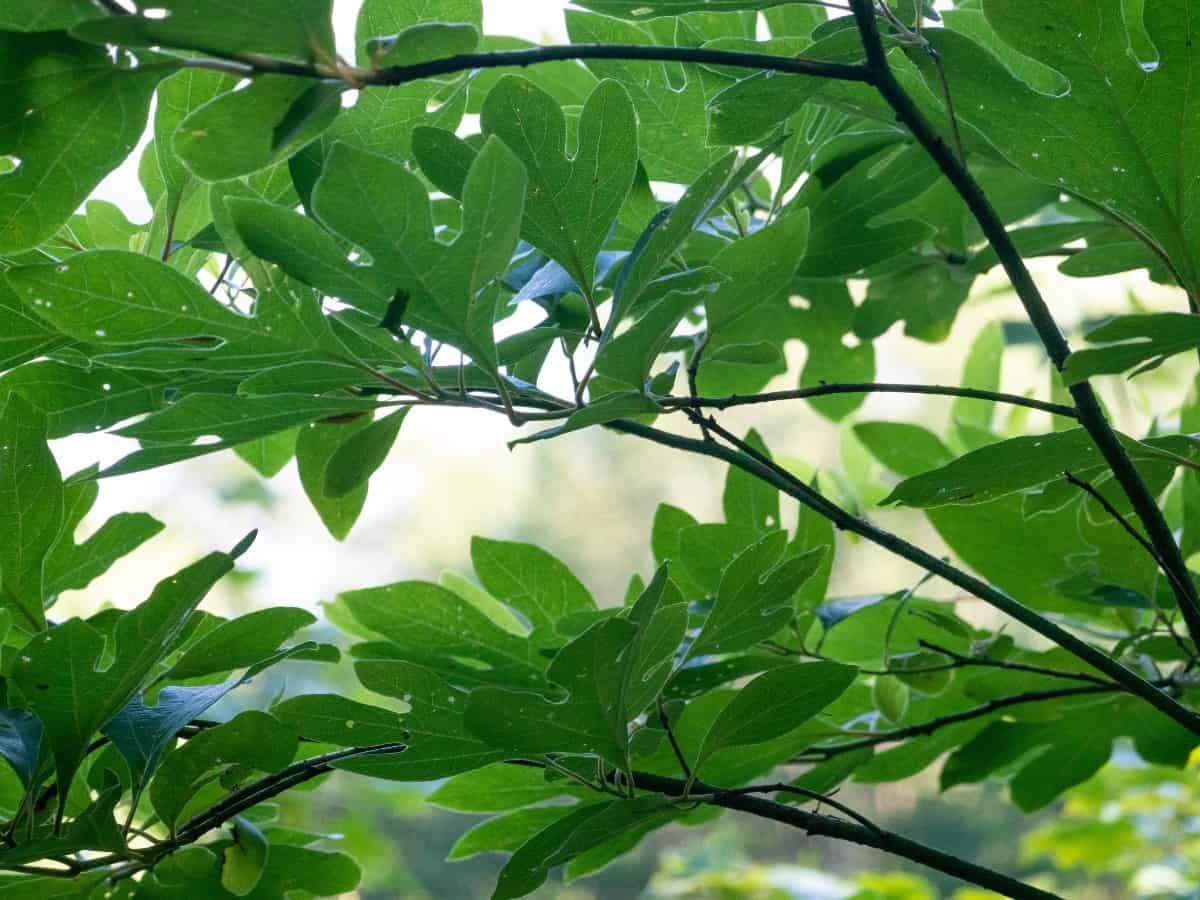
(625,232)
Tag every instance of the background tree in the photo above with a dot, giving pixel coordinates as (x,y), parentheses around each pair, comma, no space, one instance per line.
(625,234)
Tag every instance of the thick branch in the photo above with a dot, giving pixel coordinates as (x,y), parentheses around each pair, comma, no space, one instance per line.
(468,62)
(772,474)
(1091,415)
(867,387)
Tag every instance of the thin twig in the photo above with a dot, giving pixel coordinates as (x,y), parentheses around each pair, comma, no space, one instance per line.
(868,387)
(666,724)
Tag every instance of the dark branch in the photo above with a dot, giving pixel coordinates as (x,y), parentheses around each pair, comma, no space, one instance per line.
(1091,414)
(867,387)
(749,460)
(246,64)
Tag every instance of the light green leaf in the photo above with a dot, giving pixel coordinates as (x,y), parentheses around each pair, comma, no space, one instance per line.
(215,144)
(635,9)
(1118,131)
(421,43)
(980,371)
(315,447)
(333,719)
(32,510)
(531,581)
(1022,463)
(775,703)
(669,99)
(629,357)
(572,202)
(1138,342)
(906,449)
(499,787)
(268,455)
(240,642)
(70,114)
(439,745)
(891,697)
(35,15)
(429,626)
(506,833)
(448,284)
(748,500)
(244,859)
(354,461)
(304,250)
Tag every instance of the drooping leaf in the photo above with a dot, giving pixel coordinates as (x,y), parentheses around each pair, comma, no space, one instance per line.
(244,859)
(354,461)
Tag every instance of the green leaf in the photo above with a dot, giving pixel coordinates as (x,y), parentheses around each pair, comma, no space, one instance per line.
(891,696)
(497,788)
(353,463)
(1138,342)
(635,9)
(270,454)
(1022,463)
(240,642)
(506,833)
(315,447)
(142,734)
(775,703)
(759,271)
(215,145)
(593,718)
(300,29)
(333,719)
(23,335)
(706,550)
(566,838)
(304,250)
(244,859)
(429,626)
(1122,129)
(251,739)
(572,202)
(843,238)
(32,510)
(177,97)
(70,114)
(754,599)
(421,43)
(981,371)
(59,671)
(629,357)
(906,449)
(448,284)
(531,581)
(748,500)
(440,745)
(34,15)
(669,99)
